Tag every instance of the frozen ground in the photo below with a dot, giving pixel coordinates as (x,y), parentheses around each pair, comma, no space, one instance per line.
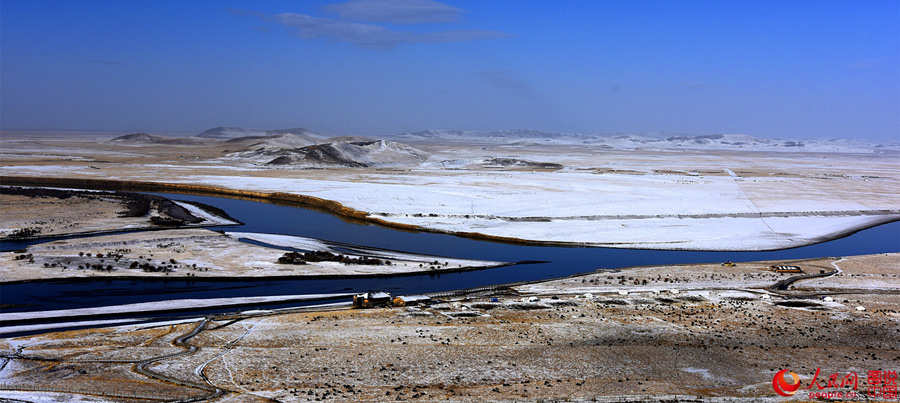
(203,253)
(654,334)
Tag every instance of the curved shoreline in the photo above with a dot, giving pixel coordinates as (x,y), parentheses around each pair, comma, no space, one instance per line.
(265,278)
(329,206)
(89,234)
(349,214)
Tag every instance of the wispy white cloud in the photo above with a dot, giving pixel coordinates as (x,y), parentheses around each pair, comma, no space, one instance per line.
(396,11)
(864,64)
(370,35)
(508,82)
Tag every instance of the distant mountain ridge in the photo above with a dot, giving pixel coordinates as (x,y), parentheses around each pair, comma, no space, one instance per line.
(144,138)
(485,135)
(258,139)
(645,141)
(230,132)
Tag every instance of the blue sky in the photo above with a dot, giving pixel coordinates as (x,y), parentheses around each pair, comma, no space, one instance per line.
(765,68)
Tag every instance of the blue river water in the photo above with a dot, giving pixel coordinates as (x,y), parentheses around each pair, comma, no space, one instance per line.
(279,219)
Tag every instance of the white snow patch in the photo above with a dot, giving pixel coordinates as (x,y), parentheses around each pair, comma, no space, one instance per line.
(286,241)
(208,219)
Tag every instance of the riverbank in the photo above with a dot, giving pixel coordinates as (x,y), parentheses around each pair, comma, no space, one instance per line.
(711,332)
(46,213)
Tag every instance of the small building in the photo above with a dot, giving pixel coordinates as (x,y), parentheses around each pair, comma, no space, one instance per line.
(785,269)
(410,300)
(371,299)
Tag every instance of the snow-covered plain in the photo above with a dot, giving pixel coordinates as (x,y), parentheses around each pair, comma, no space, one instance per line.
(627,211)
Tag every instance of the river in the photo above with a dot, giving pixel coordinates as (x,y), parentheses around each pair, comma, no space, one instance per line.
(279,219)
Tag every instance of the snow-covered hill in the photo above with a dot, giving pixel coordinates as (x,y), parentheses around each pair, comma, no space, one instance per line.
(144,138)
(274,142)
(378,153)
(223,132)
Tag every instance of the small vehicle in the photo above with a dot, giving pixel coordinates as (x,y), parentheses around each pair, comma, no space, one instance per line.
(728,263)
